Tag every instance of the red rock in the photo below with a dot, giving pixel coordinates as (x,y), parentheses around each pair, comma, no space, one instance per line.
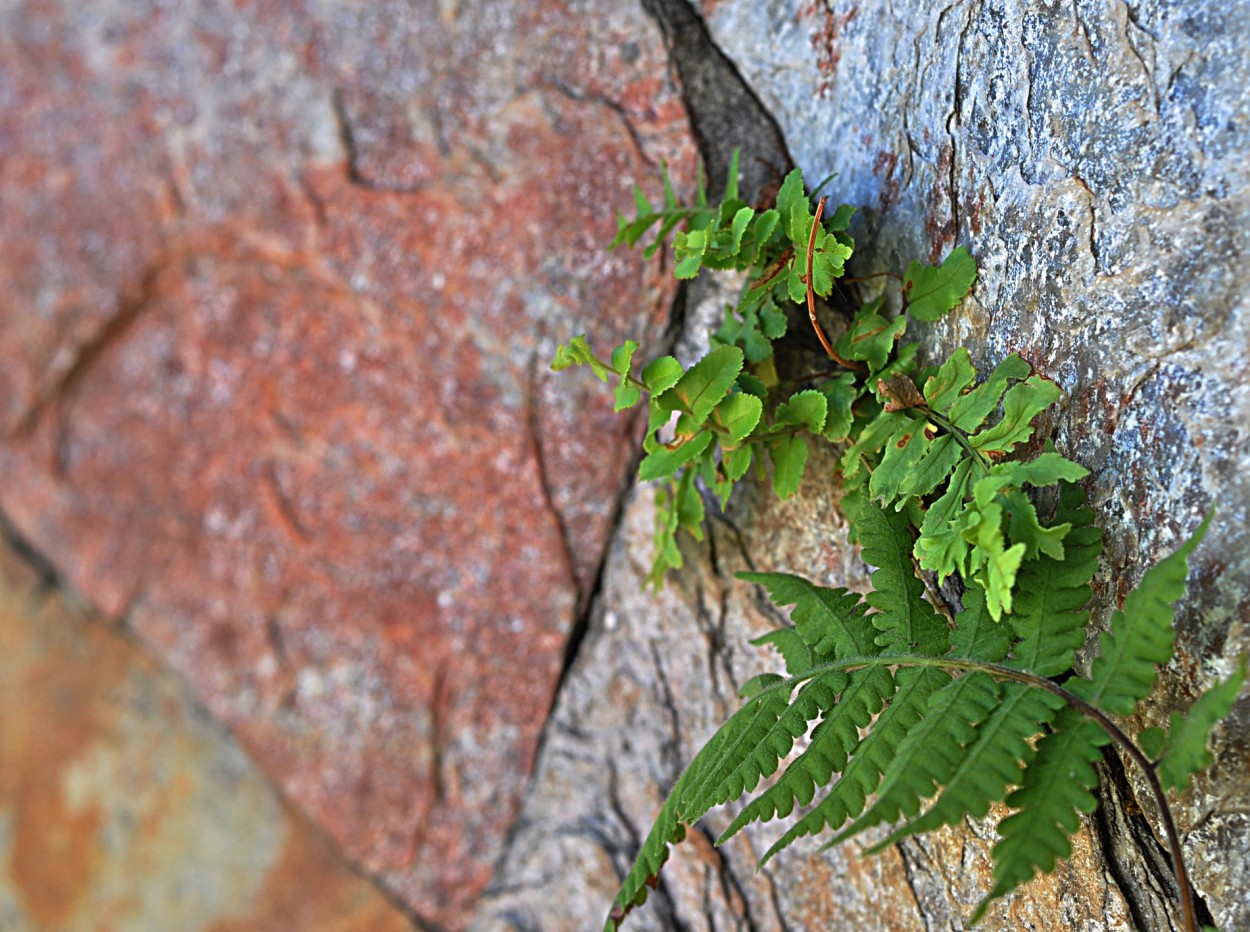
(283,287)
(125,807)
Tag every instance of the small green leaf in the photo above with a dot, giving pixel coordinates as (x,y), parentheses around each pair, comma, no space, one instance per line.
(705,383)
(806,409)
(840,393)
(758,683)
(662,374)
(1185,751)
(1023,402)
(969,411)
(689,248)
(1151,741)
(871,337)
(736,462)
(931,292)
(841,218)
(738,413)
(665,462)
(789,460)
(791,198)
(955,376)
(626,395)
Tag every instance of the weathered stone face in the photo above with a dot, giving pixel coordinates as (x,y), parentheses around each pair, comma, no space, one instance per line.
(122,804)
(282,283)
(1092,158)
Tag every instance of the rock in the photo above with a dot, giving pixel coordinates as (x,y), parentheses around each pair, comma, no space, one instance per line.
(1092,159)
(282,287)
(123,804)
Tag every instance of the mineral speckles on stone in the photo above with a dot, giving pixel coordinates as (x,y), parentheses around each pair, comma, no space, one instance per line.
(283,285)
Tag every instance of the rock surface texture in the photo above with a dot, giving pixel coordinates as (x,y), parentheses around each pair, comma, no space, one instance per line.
(281,284)
(1093,157)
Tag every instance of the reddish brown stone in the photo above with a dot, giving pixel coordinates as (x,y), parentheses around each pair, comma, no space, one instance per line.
(283,287)
(125,807)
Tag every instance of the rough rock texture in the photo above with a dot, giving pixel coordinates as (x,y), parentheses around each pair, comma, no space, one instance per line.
(281,282)
(123,806)
(1093,156)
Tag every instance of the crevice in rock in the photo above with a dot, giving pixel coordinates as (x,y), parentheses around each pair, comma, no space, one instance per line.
(1135,858)
(725,114)
(351,151)
(130,307)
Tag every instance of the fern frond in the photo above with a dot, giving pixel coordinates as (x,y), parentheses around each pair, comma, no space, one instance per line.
(1140,637)
(1056,789)
(908,624)
(991,763)
(977,636)
(1184,750)
(761,743)
(1050,607)
(931,751)
(847,797)
(832,622)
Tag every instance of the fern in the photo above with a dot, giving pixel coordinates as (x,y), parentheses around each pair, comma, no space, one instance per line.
(908,720)
(934,729)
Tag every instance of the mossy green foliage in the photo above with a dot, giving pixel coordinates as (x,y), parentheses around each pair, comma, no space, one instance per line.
(909,719)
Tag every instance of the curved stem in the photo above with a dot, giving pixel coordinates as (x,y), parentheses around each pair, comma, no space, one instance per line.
(811,296)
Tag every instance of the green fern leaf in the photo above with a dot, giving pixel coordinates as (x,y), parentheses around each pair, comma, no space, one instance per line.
(932,291)
(871,756)
(1050,614)
(1184,751)
(833,623)
(1056,789)
(1141,636)
(908,624)
(991,763)
(931,751)
(827,753)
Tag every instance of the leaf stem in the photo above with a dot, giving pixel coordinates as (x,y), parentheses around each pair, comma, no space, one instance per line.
(961,438)
(811,296)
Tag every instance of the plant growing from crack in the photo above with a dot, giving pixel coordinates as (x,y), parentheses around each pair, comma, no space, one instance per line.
(922,718)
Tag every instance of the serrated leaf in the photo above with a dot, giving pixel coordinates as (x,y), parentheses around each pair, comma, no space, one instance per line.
(1185,752)
(665,461)
(688,249)
(942,547)
(969,411)
(805,409)
(789,455)
(625,395)
(758,683)
(738,413)
(840,393)
(908,624)
(662,374)
(1140,636)
(704,384)
(991,561)
(953,378)
(903,451)
(841,218)
(1023,402)
(793,649)
(871,337)
(832,623)
(932,292)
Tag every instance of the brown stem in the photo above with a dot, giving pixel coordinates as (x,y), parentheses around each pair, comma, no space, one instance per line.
(811,296)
